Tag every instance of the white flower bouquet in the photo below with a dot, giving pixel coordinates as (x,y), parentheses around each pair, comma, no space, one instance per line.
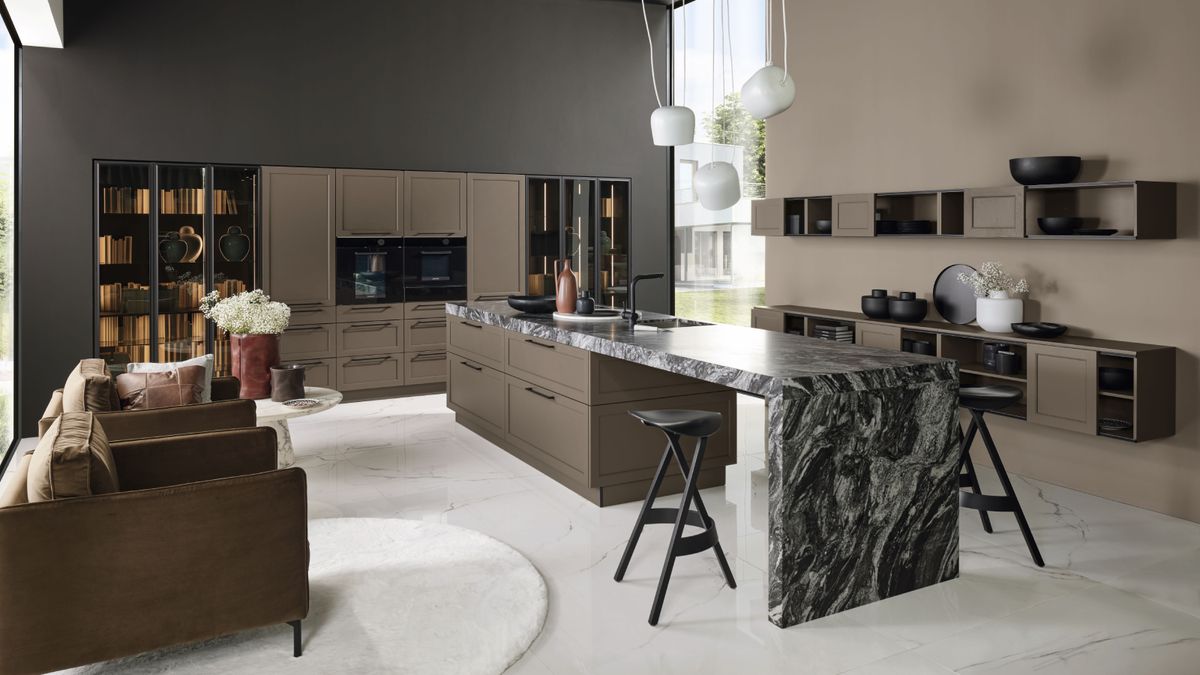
(248,313)
(991,280)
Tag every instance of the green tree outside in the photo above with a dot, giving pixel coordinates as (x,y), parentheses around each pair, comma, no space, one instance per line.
(731,124)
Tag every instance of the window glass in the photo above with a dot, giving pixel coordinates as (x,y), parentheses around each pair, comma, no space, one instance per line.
(8,134)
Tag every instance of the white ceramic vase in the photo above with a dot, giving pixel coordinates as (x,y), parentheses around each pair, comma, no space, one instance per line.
(997,312)
(672,125)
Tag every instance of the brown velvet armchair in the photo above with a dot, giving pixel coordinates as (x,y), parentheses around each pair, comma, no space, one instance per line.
(226,411)
(205,538)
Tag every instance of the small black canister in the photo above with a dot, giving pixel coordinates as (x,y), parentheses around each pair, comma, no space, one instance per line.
(287,382)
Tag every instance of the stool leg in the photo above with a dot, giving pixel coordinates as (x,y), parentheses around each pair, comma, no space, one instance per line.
(646,506)
(965,460)
(708,521)
(1008,489)
(689,489)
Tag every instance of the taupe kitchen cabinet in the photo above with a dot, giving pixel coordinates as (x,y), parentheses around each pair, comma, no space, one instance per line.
(370,203)
(435,204)
(877,335)
(495,236)
(1062,387)
(854,215)
(995,212)
(370,372)
(766,217)
(298,234)
(312,341)
(767,319)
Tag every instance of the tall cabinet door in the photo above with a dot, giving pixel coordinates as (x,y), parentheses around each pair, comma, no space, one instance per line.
(298,233)
(1062,388)
(370,203)
(435,204)
(495,236)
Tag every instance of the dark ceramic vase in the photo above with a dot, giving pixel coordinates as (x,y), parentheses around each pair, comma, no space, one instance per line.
(252,357)
(234,245)
(585,304)
(908,307)
(287,382)
(875,305)
(172,249)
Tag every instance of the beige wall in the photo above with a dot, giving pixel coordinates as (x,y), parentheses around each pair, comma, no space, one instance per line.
(916,94)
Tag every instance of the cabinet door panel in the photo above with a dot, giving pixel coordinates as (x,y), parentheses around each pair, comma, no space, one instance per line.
(425,334)
(370,372)
(435,204)
(478,391)
(995,212)
(315,341)
(478,341)
(427,367)
(298,232)
(370,337)
(317,372)
(1062,388)
(495,231)
(766,217)
(854,215)
(551,426)
(369,203)
(767,319)
(878,335)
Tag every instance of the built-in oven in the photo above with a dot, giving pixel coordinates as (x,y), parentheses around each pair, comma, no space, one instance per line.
(370,271)
(435,269)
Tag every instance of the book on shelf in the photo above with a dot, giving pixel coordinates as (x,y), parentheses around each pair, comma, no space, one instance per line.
(115,250)
(125,200)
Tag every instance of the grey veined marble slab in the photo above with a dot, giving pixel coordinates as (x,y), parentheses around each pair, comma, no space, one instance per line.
(862,450)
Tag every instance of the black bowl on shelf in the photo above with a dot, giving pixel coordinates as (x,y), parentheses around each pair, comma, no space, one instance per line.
(924,347)
(1044,170)
(1096,232)
(823,226)
(914,227)
(875,305)
(1114,378)
(908,307)
(532,304)
(1060,225)
(886,227)
(1112,424)
(1038,329)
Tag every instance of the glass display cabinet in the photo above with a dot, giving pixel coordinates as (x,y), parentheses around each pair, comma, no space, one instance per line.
(166,235)
(612,287)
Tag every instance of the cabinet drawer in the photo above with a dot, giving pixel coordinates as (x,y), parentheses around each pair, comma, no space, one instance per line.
(317,372)
(307,342)
(477,341)
(306,315)
(547,364)
(551,426)
(370,372)
(425,334)
(427,367)
(878,335)
(370,338)
(424,310)
(476,390)
(355,313)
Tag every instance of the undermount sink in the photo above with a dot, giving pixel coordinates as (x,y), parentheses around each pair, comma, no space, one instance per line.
(675,322)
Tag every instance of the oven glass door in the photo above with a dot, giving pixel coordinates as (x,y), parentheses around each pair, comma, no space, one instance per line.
(370,276)
(434,265)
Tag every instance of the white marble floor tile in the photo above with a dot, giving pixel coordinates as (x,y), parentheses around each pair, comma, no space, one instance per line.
(1174,582)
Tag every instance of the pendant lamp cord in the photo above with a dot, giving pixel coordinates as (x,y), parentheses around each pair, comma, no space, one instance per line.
(770,24)
(785,44)
(650,41)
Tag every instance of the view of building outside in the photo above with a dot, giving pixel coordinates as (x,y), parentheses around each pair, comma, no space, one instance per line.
(8,91)
(719,267)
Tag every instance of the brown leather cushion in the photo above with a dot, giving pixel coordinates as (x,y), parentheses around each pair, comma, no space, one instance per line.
(89,388)
(142,391)
(72,460)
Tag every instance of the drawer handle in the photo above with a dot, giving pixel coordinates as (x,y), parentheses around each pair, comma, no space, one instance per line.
(369,308)
(531,390)
(303,310)
(430,234)
(494,296)
(306,304)
(305,329)
(430,323)
(472,366)
(366,326)
(472,325)
(369,361)
(307,363)
(535,342)
(429,356)
(372,231)
(436,306)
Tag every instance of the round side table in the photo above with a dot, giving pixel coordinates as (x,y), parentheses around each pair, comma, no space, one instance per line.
(275,414)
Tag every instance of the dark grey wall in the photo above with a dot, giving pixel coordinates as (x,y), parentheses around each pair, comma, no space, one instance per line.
(522,86)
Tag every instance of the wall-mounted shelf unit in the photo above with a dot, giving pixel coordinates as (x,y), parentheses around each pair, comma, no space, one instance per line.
(1059,376)
(1136,209)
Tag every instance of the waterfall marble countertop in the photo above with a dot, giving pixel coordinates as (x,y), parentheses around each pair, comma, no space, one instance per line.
(862,450)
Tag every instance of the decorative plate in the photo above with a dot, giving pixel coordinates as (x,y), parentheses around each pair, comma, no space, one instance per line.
(954,300)
(302,403)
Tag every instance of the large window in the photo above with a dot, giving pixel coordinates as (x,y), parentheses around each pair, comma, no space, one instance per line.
(719,271)
(8,173)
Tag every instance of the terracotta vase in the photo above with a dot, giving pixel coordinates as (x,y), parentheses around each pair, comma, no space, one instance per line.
(252,357)
(567,289)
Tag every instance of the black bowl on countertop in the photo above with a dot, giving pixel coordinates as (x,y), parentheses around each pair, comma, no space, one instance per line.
(823,226)
(1060,225)
(1116,379)
(532,304)
(908,307)
(1044,170)
(875,305)
(1038,329)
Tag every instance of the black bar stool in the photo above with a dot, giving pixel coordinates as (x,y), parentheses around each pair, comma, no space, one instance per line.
(676,423)
(977,401)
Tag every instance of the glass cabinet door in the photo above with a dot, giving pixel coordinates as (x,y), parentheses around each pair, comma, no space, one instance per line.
(123,259)
(181,258)
(543,199)
(234,215)
(579,235)
(613,246)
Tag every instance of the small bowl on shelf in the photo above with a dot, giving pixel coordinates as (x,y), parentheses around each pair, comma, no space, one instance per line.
(886,227)
(914,227)
(1114,378)
(908,307)
(1113,424)
(823,226)
(532,304)
(1060,225)
(1038,329)
(1044,170)
(875,305)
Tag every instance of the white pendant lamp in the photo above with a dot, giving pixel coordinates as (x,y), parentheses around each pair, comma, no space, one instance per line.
(716,184)
(669,124)
(770,90)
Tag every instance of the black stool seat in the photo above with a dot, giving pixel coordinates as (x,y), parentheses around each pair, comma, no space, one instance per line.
(676,423)
(993,397)
(696,423)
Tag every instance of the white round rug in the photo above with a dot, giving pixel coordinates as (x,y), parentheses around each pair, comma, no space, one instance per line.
(386,596)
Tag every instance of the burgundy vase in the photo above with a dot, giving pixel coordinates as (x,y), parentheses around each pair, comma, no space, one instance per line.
(252,357)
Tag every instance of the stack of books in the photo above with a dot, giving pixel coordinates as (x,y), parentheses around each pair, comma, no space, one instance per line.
(832,332)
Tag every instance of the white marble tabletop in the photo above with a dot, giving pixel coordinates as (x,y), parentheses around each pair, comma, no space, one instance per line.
(269,410)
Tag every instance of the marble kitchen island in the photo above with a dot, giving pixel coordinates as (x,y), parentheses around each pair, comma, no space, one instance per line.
(862,453)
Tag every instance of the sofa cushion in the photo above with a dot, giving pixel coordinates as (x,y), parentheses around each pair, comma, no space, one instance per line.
(15,489)
(205,362)
(142,391)
(72,460)
(89,388)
